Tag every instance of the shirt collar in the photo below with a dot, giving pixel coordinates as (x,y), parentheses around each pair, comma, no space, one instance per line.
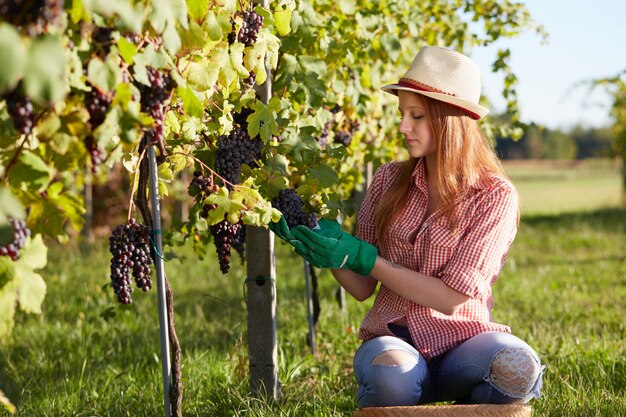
(419,176)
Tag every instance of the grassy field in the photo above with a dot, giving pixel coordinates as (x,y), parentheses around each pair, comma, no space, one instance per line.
(562,290)
(553,187)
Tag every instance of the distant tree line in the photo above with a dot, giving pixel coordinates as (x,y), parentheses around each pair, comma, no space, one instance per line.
(539,142)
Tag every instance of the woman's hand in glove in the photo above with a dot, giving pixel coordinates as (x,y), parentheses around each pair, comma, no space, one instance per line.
(329,247)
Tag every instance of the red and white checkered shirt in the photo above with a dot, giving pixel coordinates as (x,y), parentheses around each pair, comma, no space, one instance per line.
(469,260)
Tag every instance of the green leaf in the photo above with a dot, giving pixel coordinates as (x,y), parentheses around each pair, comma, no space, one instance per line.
(262,121)
(324,175)
(191,103)
(282,20)
(213,27)
(30,173)
(198,9)
(347,7)
(7,270)
(8,299)
(34,253)
(104,75)
(127,49)
(10,206)
(202,75)
(45,76)
(12,51)
(32,291)
(236,59)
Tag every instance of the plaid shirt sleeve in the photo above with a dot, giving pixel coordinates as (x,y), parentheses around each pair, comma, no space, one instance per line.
(484,243)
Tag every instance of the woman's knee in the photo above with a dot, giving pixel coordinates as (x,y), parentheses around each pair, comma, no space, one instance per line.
(516,373)
(390,374)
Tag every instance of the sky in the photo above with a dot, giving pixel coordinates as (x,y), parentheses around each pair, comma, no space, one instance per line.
(586,40)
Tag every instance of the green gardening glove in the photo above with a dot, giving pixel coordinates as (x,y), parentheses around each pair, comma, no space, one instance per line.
(346,251)
(281,229)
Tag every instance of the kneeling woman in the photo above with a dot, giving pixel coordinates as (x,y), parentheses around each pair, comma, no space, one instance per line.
(434,231)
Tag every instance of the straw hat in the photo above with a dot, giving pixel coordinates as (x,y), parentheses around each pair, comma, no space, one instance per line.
(446,76)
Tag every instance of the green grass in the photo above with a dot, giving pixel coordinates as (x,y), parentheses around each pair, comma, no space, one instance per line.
(553,187)
(562,290)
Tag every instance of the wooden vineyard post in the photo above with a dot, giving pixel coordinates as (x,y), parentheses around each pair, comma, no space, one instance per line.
(261,293)
(261,305)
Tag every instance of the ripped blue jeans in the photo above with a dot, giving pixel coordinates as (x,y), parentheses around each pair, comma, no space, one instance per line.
(495,367)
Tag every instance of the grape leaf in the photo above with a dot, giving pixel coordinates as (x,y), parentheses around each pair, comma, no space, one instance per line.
(191,103)
(34,253)
(263,120)
(31,173)
(198,9)
(32,291)
(7,270)
(8,298)
(11,50)
(128,50)
(45,78)
(282,20)
(324,175)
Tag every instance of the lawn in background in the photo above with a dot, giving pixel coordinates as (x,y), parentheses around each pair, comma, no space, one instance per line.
(553,187)
(562,290)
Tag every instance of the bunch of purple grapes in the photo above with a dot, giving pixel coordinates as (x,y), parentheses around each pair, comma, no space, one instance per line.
(224,234)
(250,28)
(96,153)
(323,138)
(235,150)
(291,206)
(153,99)
(98,103)
(200,188)
(21,111)
(345,134)
(102,40)
(20,234)
(34,16)
(129,245)
(248,82)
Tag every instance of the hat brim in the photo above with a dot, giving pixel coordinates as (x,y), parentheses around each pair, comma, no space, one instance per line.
(475,111)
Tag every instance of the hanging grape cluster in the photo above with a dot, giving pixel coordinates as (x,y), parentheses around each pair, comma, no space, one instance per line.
(21,111)
(102,39)
(291,206)
(153,101)
(98,103)
(343,129)
(235,150)
(129,245)
(249,30)
(224,234)
(20,234)
(200,188)
(31,16)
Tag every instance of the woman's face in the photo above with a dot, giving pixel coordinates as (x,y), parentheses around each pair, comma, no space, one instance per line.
(415,125)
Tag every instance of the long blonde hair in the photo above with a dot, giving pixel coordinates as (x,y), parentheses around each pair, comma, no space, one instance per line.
(464,157)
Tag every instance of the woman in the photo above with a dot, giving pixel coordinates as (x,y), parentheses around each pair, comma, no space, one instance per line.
(434,231)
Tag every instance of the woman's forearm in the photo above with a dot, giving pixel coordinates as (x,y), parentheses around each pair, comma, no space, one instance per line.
(359,286)
(422,289)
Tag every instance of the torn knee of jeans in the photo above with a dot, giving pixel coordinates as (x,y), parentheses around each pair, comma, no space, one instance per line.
(514,371)
(394,357)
